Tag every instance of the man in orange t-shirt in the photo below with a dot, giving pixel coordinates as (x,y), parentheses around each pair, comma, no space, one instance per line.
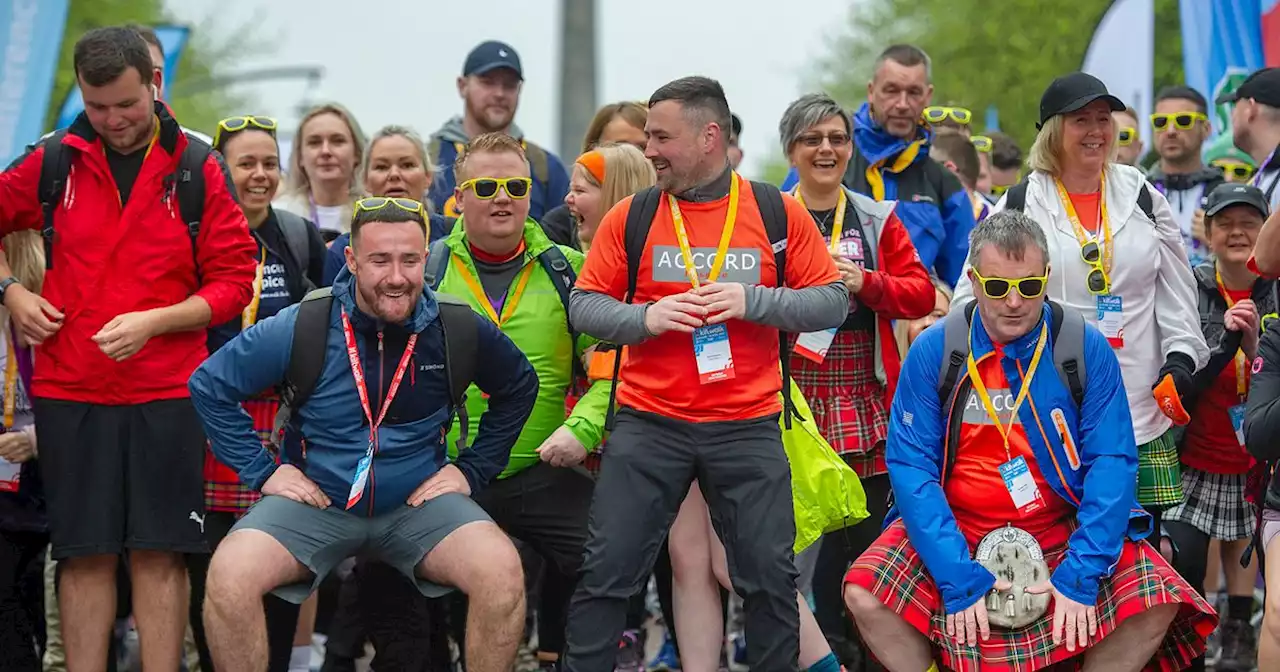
(699,391)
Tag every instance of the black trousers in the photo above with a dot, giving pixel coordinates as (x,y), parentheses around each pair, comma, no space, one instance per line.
(21,600)
(282,617)
(745,477)
(543,506)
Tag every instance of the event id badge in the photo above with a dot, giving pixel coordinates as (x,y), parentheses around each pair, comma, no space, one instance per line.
(813,345)
(362,477)
(1021,486)
(10,473)
(1111,319)
(1237,421)
(711,348)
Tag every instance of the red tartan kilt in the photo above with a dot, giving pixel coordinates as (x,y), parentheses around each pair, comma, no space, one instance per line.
(892,571)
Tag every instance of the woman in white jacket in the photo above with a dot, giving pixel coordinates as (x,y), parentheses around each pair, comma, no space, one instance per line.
(1124,269)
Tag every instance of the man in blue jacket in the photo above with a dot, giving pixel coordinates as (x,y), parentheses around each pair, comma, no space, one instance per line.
(371,476)
(891,162)
(1015,484)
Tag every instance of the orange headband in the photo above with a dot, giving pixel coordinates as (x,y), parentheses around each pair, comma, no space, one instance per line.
(593,161)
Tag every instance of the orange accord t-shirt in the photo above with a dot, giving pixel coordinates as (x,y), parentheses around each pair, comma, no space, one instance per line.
(660,375)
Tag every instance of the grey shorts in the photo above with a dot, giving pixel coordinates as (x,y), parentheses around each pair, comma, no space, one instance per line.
(321,539)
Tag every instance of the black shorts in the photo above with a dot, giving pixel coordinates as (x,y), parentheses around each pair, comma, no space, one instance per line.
(122,477)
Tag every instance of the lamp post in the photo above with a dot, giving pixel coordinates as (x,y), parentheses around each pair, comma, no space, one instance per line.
(577,73)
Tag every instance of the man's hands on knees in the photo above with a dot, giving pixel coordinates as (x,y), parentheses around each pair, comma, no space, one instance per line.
(449,479)
(1079,621)
(971,623)
(289,482)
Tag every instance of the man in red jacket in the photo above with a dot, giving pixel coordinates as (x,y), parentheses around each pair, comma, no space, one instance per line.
(120,328)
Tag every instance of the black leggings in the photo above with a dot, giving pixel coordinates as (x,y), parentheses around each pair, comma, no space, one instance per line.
(21,600)
(282,616)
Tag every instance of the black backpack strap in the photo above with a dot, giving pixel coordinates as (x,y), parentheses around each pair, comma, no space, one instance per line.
(297,238)
(461,350)
(306,358)
(1016,197)
(1145,203)
(774,214)
(437,262)
(640,213)
(1068,350)
(190,188)
(55,167)
(955,351)
(563,276)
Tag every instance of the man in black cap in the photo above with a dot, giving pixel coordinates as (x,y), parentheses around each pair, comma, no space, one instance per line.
(735,150)
(490,89)
(1255,127)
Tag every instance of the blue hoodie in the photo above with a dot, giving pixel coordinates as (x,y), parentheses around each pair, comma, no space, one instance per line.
(931,201)
(411,441)
(1100,481)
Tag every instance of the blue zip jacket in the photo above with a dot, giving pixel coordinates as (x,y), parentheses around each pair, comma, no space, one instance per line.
(411,441)
(932,203)
(1101,483)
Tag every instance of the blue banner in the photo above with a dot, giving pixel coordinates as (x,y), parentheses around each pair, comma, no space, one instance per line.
(173,40)
(30,43)
(1221,45)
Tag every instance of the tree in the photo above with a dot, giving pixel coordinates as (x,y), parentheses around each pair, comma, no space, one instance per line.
(204,56)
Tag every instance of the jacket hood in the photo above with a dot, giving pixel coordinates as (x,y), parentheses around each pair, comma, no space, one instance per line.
(1183,181)
(344,290)
(876,144)
(453,131)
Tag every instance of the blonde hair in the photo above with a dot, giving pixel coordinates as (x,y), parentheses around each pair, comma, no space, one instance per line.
(296,182)
(395,131)
(494,143)
(25,253)
(632,112)
(626,171)
(1046,152)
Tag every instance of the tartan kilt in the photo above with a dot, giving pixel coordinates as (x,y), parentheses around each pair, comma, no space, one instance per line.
(893,572)
(847,401)
(1215,504)
(223,490)
(1159,473)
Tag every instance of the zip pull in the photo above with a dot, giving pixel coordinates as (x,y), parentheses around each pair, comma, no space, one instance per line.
(379,342)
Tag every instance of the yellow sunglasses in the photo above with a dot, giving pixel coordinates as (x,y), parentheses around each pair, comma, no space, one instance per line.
(1126,136)
(487,187)
(1032,287)
(1183,121)
(998,190)
(232,125)
(1234,170)
(981,143)
(375,203)
(939,114)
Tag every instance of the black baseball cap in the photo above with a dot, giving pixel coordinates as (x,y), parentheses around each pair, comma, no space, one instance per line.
(736,124)
(1072,92)
(1262,86)
(492,55)
(1227,195)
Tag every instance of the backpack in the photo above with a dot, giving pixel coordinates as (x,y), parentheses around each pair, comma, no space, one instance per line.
(297,240)
(553,262)
(644,205)
(310,348)
(1067,330)
(1016,199)
(187,182)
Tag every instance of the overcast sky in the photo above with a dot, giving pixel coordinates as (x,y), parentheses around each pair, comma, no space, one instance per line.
(411,51)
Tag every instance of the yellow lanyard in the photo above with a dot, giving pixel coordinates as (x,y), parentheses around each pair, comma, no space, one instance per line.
(155,135)
(509,307)
(1104,226)
(981,389)
(1242,383)
(10,382)
(837,227)
(730,219)
(249,316)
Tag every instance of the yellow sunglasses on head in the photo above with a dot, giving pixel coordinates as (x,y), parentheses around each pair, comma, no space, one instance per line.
(981,143)
(1031,287)
(939,114)
(236,124)
(375,203)
(1183,121)
(486,188)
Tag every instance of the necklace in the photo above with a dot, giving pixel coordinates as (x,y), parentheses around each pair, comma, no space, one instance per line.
(824,222)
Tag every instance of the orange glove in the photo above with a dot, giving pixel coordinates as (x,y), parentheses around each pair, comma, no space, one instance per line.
(1166,394)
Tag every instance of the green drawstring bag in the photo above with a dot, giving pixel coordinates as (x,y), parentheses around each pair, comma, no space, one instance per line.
(826,492)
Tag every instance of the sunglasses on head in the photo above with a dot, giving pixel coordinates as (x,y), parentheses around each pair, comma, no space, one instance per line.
(1234,169)
(981,143)
(998,190)
(1183,121)
(1032,287)
(939,114)
(1126,136)
(232,125)
(836,138)
(1097,280)
(375,203)
(487,187)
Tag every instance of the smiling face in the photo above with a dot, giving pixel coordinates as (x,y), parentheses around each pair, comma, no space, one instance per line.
(1087,137)
(501,217)
(1233,232)
(822,152)
(386,259)
(678,145)
(396,169)
(583,202)
(254,160)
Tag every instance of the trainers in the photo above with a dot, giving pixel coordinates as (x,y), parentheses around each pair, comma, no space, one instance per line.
(666,659)
(1239,647)
(630,653)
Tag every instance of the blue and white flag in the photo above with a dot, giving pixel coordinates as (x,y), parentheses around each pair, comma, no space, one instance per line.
(30,43)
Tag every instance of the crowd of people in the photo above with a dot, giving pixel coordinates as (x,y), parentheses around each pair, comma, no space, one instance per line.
(935,403)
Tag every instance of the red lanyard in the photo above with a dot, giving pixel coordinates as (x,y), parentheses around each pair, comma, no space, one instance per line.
(353,353)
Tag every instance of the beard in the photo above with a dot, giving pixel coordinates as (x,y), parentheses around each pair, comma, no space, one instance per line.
(391,304)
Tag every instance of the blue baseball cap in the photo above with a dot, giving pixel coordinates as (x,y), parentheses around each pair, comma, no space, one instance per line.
(492,55)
